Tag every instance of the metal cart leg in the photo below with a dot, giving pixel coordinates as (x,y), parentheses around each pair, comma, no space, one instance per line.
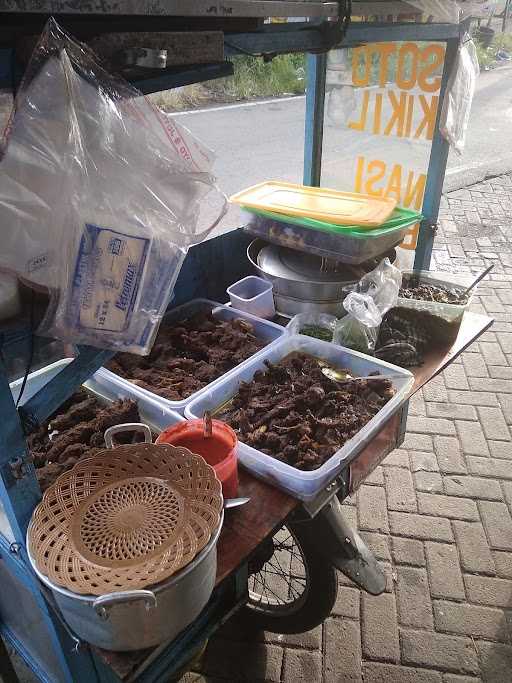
(345,549)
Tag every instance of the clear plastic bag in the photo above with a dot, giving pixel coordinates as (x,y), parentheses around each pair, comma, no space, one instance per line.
(317,325)
(459,96)
(359,329)
(375,294)
(100,197)
(382,284)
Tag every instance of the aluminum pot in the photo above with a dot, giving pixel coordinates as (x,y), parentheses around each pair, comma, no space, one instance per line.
(135,620)
(330,287)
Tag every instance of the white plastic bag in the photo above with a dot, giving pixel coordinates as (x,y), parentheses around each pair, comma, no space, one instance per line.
(100,198)
(376,293)
(459,96)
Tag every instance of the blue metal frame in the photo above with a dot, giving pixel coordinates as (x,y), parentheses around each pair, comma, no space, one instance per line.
(15,558)
(357,34)
(314,125)
(436,170)
(20,496)
(176,78)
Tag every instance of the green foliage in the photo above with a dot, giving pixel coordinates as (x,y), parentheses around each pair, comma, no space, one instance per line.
(487,56)
(504,42)
(256,78)
(284,75)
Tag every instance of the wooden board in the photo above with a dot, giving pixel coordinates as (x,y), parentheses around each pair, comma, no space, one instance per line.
(246,527)
(182,47)
(180,8)
(473,325)
(435,361)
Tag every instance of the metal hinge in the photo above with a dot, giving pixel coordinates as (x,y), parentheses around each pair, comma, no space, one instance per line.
(20,466)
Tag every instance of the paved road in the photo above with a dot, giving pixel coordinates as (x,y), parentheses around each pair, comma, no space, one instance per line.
(263,140)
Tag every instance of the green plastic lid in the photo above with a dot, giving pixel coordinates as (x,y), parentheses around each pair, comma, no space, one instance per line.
(400,219)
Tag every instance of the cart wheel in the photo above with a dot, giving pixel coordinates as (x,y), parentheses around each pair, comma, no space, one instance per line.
(291,588)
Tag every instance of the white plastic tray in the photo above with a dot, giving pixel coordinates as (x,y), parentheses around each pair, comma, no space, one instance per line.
(305,485)
(265,330)
(152,413)
(449,312)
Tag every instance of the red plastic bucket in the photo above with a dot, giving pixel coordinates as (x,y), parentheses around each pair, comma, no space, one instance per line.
(219,450)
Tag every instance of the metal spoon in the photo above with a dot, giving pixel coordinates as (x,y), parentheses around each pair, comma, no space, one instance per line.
(343,378)
(479,278)
(235,502)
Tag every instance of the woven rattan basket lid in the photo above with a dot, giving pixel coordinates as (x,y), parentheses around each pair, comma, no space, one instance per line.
(125,519)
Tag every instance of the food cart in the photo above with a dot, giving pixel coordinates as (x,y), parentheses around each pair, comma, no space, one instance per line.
(252,534)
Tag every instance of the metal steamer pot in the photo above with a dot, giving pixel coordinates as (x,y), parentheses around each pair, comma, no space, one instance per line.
(303,282)
(135,620)
(139,619)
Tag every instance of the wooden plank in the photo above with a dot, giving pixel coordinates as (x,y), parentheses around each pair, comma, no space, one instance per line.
(182,47)
(393,8)
(380,447)
(181,8)
(438,358)
(246,527)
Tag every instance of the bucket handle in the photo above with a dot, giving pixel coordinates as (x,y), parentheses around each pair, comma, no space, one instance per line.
(104,603)
(127,427)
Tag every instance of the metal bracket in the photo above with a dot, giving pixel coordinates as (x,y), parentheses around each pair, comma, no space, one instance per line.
(78,645)
(337,486)
(334,31)
(19,466)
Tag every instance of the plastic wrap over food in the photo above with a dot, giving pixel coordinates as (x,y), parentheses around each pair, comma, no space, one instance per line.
(313,324)
(100,196)
(375,294)
(459,96)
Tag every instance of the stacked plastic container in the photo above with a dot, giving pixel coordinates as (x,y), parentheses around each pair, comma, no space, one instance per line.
(450,312)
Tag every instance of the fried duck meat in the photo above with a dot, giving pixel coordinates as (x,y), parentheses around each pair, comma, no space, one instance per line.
(296,414)
(74,432)
(188,355)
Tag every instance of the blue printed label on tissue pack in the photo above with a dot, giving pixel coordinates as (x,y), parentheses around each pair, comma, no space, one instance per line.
(107,277)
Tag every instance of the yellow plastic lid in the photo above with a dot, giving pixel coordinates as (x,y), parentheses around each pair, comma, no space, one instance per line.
(333,206)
